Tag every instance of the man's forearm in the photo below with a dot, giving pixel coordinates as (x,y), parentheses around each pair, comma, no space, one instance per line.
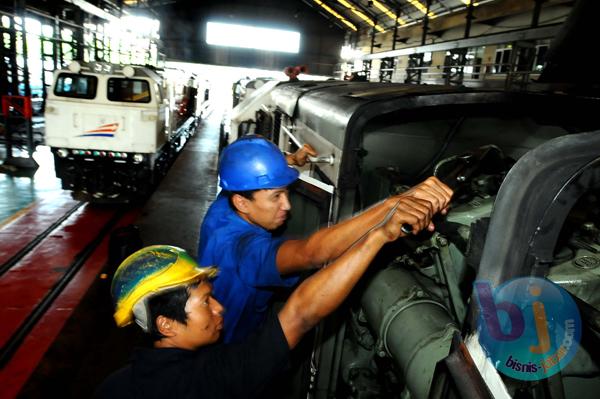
(324,291)
(320,294)
(328,243)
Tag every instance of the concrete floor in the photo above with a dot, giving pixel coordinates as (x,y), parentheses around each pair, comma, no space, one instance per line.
(175,211)
(18,192)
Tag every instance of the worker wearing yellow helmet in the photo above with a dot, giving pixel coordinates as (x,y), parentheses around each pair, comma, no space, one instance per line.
(148,272)
(164,291)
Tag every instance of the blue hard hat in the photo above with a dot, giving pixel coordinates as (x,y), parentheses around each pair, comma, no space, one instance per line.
(254,163)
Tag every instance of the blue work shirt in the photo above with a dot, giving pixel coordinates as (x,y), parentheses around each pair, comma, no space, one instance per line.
(246,257)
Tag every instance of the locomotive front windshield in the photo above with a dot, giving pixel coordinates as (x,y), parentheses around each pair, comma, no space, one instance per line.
(128,90)
(76,86)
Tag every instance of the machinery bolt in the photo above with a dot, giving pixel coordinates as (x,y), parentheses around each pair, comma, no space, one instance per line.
(589,226)
(381,353)
(361,317)
(442,241)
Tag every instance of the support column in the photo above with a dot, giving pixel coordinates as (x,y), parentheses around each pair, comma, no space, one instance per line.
(20,11)
(395,38)
(373,45)
(78,42)
(469,17)
(537,10)
(425,24)
(21,116)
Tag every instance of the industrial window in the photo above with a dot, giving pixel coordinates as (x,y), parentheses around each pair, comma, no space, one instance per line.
(502,62)
(540,57)
(76,86)
(252,37)
(128,90)
(473,65)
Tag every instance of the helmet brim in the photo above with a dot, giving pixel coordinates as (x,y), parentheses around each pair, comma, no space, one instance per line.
(289,176)
(283,179)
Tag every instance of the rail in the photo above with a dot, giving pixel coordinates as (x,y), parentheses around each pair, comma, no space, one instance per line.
(20,333)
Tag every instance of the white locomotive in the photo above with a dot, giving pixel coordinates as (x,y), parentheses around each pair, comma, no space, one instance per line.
(115,130)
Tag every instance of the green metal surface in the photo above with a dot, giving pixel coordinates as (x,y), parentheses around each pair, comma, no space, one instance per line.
(414,327)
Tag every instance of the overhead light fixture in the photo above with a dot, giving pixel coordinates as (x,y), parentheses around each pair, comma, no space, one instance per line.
(419,6)
(387,12)
(361,15)
(337,15)
(468,3)
(252,37)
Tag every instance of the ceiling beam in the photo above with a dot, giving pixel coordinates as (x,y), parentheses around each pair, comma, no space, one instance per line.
(93,10)
(330,17)
(361,13)
(397,5)
(391,13)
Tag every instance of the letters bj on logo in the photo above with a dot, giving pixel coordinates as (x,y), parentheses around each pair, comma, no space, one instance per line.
(529,327)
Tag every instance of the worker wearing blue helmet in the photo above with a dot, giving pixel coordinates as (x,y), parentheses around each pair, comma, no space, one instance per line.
(237,231)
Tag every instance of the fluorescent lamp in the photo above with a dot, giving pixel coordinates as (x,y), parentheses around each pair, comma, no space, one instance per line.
(361,15)
(419,6)
(335,14)
(387,12)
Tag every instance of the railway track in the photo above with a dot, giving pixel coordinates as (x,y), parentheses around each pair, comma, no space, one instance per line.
(28,247)
(48,258)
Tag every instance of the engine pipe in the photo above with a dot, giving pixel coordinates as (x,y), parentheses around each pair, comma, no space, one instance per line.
(413,327)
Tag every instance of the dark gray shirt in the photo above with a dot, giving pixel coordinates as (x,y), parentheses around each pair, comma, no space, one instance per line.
(218,371)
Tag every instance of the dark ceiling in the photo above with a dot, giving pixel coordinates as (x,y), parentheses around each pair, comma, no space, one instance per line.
(323,24)
(379,11)
(183,25)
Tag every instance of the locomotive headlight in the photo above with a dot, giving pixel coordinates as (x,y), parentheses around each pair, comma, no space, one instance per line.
(62,152)
(138,158)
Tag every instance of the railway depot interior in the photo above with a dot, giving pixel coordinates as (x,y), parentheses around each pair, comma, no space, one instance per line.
(114,113)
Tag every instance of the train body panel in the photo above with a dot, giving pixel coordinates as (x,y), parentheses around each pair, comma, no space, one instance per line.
(106,127)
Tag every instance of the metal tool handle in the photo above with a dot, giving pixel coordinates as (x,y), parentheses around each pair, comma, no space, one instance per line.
(329,159)
(406,228)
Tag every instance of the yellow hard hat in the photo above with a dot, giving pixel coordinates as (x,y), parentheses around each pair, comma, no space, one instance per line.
(147,272)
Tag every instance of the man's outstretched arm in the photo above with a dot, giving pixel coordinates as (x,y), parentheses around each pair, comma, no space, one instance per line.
(329,243)
(325,290)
